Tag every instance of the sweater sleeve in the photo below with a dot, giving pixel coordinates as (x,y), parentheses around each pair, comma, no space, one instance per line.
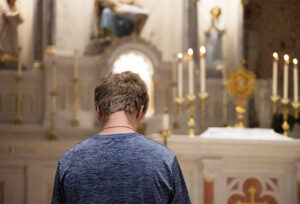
(180,193)
(58,196)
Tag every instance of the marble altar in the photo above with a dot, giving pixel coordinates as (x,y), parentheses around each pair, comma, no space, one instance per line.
(220,166)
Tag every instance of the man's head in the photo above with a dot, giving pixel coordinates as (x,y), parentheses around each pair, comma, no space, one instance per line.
(124,91)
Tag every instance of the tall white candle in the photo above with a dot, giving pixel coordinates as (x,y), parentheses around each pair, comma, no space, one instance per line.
(295,61)
(202,70)
(165,119)
(180,75)
(275,73)
(54,76)
(19,62)
(286,76)
(75,69)
(191,71)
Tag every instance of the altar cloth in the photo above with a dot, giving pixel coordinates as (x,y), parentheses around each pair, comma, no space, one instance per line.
(243,134)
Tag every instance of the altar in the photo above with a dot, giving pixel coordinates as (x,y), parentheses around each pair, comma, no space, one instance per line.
(221,166)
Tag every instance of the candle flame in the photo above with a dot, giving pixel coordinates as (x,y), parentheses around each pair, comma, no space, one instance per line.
(286,58)
(202,50)
(179,55)
(275,55)
(295,61)
(190,51)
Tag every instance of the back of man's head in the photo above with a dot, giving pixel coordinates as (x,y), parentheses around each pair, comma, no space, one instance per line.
(124,91)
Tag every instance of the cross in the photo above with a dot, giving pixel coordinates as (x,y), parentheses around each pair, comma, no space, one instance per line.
(252,192)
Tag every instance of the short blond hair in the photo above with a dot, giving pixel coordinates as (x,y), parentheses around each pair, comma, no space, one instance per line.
(124,91)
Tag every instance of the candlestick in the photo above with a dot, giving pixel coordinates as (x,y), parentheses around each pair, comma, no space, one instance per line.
(19,63)
(286,77)
(295,61)
(191,71)
(54,76)
(165,119)
(75,69)
(202,69)
(275,73)
(180,75)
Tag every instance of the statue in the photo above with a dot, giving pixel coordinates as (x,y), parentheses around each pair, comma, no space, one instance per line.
(213,38)
(9,21)
(119,18)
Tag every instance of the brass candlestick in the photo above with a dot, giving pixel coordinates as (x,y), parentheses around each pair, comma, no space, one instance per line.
(296,106)
(203,97)
(18,99)
(51,134)
(75,122)
(165,134)
(191,109)
(274,99)
(285,112)
(179,101)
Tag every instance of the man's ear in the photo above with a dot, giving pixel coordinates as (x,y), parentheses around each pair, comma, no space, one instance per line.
(99,114)
(140,115)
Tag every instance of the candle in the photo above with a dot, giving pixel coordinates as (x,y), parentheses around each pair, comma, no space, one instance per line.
(275,73)
(202,69)
(191,71)
(295,61)
(180,75)
(19,63)
(75,68)
(53,76)
(286,76)
(165,119)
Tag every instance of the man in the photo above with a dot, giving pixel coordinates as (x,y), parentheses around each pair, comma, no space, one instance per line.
(118,165)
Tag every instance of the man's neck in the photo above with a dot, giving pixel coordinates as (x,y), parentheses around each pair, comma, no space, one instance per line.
(117,123)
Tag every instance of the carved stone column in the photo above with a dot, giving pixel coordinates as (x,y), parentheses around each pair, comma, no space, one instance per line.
(210,170)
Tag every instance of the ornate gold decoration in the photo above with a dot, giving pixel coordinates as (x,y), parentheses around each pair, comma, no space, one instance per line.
(241,84)
(274,99)
(252,191)
(296,106)
(51,49)
(191,121)
(285,112)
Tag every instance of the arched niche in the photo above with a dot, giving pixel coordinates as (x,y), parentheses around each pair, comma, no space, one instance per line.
(147,56)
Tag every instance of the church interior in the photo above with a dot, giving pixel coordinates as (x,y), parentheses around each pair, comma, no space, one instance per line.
(222,77)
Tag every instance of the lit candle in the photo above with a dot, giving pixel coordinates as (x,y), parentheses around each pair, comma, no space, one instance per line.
(53,76)
(286,76)
(202,69)
(75,68)
(295,61)
(165,119)
(275,73)
(180,75)
(191,71)
(19,63)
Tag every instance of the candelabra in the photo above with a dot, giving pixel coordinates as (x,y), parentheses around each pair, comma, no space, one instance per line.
(18,119)
(51,134)
(165,134)
(191,108)
(203,98)
(75,122)
(285,112)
